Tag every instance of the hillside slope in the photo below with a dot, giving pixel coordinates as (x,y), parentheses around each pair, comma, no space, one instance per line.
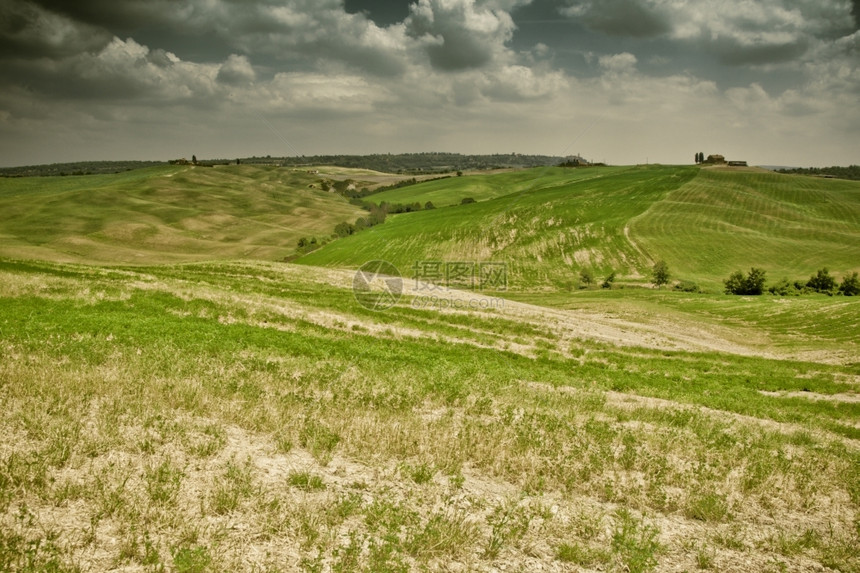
(451,191)
(162,214)
(545,233)
(723,221)
(705,223)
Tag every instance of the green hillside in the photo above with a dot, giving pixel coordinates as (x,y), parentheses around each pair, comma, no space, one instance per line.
(546,224)
(162,214)
(452,190)
(705,223)
(545,233)
(724,221)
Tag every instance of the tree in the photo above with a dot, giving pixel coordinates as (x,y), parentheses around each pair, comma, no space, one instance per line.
(850,285)
(194,159)
(586,276)
(755,281)
(660,273)
(466,201)
(822,281)
(429,205)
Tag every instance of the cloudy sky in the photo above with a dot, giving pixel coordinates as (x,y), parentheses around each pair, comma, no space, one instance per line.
(774,82)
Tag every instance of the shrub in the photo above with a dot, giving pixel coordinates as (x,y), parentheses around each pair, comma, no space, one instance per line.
(466,201)
(753,283)
(344,229)
(786,288)
(735,283)
(607,282)
(822,281)
(687,286)
(850,285)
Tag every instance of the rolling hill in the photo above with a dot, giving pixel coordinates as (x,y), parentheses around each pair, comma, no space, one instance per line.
(545,224)
(705,223)
(166,214)
(725,220)
(451,191)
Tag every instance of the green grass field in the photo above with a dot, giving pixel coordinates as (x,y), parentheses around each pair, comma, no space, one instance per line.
(251,415)
(165,214)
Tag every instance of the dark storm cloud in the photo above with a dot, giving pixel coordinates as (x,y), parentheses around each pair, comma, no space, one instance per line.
(458,34)
(121,17)
(383,12)
(733,54)
(621,17)
(28,31)
(271,31)
(413,73)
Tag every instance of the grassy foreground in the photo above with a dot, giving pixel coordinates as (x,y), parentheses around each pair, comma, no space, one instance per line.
(252,417)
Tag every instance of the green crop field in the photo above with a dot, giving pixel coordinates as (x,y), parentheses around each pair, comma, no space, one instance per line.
(723,221)
(451,191)
(168,409)
(704,223)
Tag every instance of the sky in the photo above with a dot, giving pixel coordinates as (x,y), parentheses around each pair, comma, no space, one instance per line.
(772,82)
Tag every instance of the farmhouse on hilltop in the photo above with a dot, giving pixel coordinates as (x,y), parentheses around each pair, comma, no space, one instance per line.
(715,159)
(575,161)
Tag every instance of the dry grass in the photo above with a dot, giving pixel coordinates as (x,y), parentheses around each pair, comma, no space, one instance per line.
(152,421)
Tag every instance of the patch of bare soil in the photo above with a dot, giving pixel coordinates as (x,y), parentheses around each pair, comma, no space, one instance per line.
(839,397)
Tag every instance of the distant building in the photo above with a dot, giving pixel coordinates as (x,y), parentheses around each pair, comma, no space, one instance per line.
(738,164)
(575,161)
(715,159)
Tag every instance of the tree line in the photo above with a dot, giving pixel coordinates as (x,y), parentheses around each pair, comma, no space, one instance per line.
(851,172)
(754,282)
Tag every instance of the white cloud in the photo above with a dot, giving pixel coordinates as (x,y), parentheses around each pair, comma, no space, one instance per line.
(624,63)
(237,70)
